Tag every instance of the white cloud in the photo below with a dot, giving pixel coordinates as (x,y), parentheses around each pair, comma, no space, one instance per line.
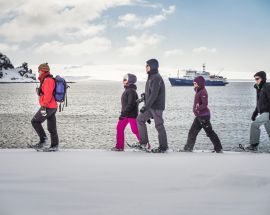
(137,45)
(113,72)
(53,18)
(204,49)
(153,20)
(133,21)
(87,47)
(5,47)
(173,52)
(127,19)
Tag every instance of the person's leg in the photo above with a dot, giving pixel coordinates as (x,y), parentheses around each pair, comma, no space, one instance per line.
(159,125)
(134,127)
(267,126)
(120,133)
(36,121)
(255,128)
(51,125)
(206,124)
(192,134)
(141,120)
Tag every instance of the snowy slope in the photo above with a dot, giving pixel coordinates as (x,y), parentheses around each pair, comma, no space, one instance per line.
(13,75)
(106,183)
(9,74)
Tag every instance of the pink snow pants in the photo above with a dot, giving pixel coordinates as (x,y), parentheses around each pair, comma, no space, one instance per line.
(120,131)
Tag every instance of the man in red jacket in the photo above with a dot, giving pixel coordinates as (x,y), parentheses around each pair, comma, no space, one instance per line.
(47,111)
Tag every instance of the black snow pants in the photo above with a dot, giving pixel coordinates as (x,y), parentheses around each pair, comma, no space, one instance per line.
(38,119)
(199,123)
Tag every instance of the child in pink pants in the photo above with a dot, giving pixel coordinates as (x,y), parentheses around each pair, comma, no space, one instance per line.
(129,112)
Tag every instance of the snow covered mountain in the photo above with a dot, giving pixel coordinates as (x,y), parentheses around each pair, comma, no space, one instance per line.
(9,74)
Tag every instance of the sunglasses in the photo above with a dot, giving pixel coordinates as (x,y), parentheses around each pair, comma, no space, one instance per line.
(256,79)
(194,82)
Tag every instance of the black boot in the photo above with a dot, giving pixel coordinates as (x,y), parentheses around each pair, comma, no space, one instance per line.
(159,150)
(43,142)
(252,147)
(51,149)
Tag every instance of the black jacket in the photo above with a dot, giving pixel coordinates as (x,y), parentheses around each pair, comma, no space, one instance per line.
(263,98)
(155,91)
(128,101)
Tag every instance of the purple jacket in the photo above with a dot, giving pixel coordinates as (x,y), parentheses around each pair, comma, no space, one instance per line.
(200,106)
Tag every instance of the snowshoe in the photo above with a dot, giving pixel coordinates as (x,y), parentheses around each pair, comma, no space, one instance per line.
(217,151)
(51,149)
(139,146)
(116,149)
(185,150)
(40,144)
(159,150)
(249,148)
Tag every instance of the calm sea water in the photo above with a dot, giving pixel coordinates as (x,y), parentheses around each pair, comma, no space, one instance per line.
(90,119)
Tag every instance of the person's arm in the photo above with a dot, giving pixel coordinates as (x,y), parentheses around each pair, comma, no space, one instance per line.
(255,112)
(204,99)
(48,86)
(154,93)
(267,91)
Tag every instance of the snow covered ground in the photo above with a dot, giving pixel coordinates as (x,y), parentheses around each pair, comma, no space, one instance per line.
(102,182)
(12,75)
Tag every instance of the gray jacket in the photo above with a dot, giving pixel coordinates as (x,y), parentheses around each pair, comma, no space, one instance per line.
(155,92)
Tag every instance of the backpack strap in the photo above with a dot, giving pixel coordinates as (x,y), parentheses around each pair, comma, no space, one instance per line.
(41,83)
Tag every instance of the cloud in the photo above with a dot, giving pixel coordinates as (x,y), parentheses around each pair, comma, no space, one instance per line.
(87,47)
(5,47)
(204,49)
(61,19)
(173,52)
(127,19)
(131,20)
(138,44)
(113,72)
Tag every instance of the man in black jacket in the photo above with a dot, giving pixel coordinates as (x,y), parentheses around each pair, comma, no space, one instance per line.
(153,108)
(260,115)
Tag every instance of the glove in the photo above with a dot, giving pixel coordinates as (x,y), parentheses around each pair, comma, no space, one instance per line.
(43,111)
(120,118)
(143,109)
(254,115)
(149,121)
(141,99)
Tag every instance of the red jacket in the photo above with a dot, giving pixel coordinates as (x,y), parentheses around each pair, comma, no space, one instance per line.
(46,98)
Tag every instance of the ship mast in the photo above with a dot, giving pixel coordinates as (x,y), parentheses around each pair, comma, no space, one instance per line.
(203,67)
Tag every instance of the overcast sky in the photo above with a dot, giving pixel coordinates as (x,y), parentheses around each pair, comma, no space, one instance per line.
(228,35)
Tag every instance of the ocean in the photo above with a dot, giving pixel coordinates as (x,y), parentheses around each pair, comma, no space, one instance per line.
(89,121)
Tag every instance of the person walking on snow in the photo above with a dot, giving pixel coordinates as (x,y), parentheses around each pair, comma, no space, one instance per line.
(129,112)
(153,108)
(202,118)
(47,111)
(260,115)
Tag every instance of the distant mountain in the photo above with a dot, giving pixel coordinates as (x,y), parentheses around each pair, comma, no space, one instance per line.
(9,74)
